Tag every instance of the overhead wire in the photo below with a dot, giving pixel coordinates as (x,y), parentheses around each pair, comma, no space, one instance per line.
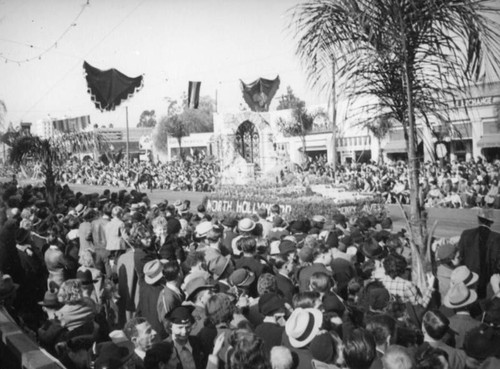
(49,48)
(78,64)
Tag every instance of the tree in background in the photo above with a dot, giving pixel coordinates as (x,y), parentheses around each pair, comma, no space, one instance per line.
(181,121)
(52,153)
(289,100)
(201,119)
(379,127)
(147,119)
(413,56)
(299,124)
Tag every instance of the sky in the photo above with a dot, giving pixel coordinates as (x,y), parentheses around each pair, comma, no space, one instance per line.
(170,42)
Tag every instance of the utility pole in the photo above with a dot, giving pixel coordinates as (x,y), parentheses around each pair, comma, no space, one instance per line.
(334,118)
(127,148)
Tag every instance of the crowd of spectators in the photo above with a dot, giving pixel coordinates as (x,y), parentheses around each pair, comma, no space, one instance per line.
(453,185)
(195,174)
(113,281)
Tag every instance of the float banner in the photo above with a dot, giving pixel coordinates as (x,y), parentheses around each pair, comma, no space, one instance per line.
(251,207)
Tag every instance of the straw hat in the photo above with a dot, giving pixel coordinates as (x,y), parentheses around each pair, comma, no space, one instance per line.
(459,296)
(302,326)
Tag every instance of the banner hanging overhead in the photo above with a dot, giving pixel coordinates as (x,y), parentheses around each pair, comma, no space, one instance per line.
(109,88)
(194,94)
(259,93)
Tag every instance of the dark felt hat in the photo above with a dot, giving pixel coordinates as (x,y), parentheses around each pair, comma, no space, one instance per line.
(111,356)
(482,342)
(322,348)
(173,226)
(85,277)
(286,247)
(372,250)
(270,303)
(22,236)
(50,300)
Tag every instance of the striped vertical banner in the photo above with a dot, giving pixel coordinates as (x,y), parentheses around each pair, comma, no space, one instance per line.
(194,94)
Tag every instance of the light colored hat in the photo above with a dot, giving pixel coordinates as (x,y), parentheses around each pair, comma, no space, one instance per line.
(462,274)
(246,225)
(459,295)
(319,219)
(302,326)
(486,214)
(203,228)
(80,209)
(153,271)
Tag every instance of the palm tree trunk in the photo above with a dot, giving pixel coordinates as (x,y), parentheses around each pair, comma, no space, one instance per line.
(179,139)
(380,153)
(416,223)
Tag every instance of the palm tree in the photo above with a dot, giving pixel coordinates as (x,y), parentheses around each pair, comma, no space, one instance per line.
(412,56)
(52,153)
(379,127)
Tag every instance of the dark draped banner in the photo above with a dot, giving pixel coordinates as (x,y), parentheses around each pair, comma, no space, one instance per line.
(109,88)
(193,94)
(259,93)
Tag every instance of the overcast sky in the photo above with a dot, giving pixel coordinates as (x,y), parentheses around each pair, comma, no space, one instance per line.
(171,42)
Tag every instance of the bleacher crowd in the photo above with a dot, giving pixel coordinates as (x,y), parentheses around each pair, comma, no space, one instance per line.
(113,281)
(453,185)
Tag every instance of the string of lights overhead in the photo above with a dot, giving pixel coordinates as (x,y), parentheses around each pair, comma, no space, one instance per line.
(51,47)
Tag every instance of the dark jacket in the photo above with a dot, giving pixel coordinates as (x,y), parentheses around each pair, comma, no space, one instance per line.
(470,252)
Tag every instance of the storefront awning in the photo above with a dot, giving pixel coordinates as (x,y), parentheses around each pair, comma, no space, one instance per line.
(395,146)
(489,141)
(314,148)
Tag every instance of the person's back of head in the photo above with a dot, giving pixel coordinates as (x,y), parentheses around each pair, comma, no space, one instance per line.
(382,327)
(320,282)
(172,271)
(262,213)
(130,328)
(247,244)
(428,357)
(397,357)
(435,324)
(281,358)
(359,350)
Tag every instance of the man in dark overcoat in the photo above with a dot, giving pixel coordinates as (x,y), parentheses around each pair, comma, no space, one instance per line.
(479,250)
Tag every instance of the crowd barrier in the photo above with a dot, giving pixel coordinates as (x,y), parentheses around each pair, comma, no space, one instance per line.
(18,350)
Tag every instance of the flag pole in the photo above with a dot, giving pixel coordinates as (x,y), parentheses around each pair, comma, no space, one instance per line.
(127,148)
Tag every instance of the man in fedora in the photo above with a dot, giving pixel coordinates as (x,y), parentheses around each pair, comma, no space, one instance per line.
(479,250)
(198,290)
(300,329)
(460,298)
(154,283)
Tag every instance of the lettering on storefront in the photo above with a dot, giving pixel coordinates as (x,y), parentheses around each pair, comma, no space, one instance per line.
(475,101)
